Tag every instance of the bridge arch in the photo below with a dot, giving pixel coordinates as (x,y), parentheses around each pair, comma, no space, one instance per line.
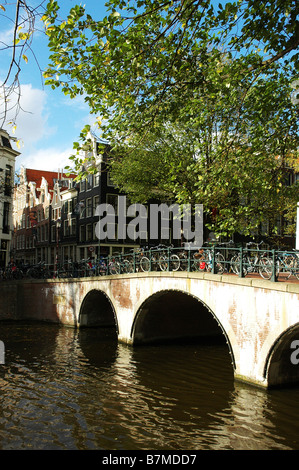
(176,314)
(282,362)
(97,310)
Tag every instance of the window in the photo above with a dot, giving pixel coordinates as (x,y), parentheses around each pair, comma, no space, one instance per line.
(74,203)
(5,142)
(94,231)
(5,223)
(112,199)
(73,227)
(96,203)
(89,182)
(53,233)
(89,207)
(82,233)
(97,179)
(82,185)
(8,181)
(89,232)
(70,207)
(66,228)
(82,209)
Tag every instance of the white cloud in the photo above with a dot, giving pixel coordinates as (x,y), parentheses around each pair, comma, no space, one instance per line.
(46,128)
(49,159)
(6,37)
(32,120)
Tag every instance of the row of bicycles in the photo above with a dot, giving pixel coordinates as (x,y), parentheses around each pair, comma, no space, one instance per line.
(218,259)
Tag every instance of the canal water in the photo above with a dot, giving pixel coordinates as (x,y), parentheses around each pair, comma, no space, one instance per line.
(68,389)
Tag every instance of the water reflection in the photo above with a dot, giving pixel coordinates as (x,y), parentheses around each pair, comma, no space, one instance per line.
(68,389)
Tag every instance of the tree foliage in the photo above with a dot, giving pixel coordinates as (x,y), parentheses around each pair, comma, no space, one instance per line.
(194,97)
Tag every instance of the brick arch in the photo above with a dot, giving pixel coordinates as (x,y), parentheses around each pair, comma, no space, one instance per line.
(176,314)
(97,309)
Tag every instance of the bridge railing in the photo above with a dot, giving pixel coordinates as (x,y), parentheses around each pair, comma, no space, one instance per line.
(225,258)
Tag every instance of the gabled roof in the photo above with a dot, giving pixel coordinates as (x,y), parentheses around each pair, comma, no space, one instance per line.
(35,176)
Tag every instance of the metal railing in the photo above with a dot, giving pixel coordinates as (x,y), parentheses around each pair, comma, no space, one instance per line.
(219,259)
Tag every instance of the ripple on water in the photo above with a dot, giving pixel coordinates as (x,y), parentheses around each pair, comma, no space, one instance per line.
(61,389)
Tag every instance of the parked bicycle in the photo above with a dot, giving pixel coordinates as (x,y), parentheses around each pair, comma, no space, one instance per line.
(39,271)
(168,261)
(13,272)
(113,266)
(286,263)
(251,261)
(205,259)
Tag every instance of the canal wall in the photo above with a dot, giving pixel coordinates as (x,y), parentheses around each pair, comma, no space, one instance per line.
(31,300)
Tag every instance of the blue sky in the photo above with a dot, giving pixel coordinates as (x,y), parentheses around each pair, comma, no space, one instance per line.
(50,122)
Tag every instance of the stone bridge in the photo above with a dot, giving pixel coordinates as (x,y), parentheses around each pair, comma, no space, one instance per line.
(259,320)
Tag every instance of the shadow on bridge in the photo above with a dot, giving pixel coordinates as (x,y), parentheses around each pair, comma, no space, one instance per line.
(170,315)
(282,365)
(165,317)
(97,310)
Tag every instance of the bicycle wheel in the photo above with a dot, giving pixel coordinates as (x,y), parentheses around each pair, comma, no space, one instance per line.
(219,263)
(183,262)
(163,263)
(32,273)
(103,269)
(154,262)
(125,266)
(114,267)
(144,264)
(111,268)
(289,261)
(296,268)
(174,263)
(235,264)
(47,274)
(265,267)
(291,265)
(62,273)
(18,274)
(131,266)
